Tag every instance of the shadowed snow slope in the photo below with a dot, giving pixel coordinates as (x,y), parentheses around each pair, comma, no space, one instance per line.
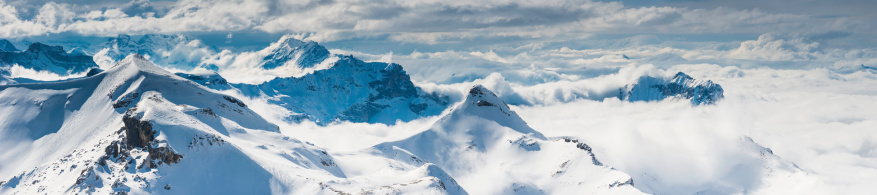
(488,149)
(137,128)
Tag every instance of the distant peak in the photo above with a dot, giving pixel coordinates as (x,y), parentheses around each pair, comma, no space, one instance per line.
(682,75)
(5,45)
(288,48)
(40,47)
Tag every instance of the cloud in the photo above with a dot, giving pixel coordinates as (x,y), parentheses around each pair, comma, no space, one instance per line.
(410,21)
(816,119)
(773,47)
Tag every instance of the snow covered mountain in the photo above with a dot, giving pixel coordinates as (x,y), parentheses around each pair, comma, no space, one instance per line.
(482,138)
(650,88)
(136,128)
(291,50)
(156,47)
(350,90)
(43,57)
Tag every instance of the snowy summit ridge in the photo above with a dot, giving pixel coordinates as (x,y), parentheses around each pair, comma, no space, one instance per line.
(291,50)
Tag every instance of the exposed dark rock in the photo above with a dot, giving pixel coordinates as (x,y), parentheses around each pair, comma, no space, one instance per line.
(235,101)
(126,100)
(93,71)
(585,147)
(139,133)
(619,184)
(484,103)
(162,155)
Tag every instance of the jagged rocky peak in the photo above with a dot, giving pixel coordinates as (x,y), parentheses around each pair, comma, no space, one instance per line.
(41,57)
(351,90)
(681,85)
(303,53)
(5,46)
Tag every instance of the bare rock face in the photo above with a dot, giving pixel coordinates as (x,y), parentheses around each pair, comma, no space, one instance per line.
(139,133)
(162,155)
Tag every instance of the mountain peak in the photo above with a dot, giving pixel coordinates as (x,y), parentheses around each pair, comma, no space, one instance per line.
(139,62)
(482,102)
(6,46)
(482,97)
(40,47)
(304,54)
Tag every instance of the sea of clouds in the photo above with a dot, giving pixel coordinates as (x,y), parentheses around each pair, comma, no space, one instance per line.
(800,84)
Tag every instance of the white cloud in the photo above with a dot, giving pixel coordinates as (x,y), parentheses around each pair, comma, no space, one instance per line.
(413,21)
(772,47)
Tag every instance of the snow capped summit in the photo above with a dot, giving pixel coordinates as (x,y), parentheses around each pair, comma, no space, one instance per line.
(291,50)
(482,138)
(41,57)
(483,103)
(350,90)
(650,88)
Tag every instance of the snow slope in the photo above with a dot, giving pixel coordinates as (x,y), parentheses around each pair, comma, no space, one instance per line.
(136,128)
(488,149)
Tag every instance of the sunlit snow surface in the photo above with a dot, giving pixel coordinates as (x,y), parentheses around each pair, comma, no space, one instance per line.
(772,131)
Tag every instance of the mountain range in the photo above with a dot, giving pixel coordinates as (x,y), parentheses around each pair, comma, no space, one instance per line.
(138,128)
